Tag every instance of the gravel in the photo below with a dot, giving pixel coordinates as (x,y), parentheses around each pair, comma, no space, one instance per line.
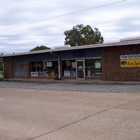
(73,86)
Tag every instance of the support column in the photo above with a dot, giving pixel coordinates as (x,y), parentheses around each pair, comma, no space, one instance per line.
(28,69)
(8,67)
(59,68)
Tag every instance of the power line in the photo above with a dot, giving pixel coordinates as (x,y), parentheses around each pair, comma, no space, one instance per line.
(59,39)
(64,15)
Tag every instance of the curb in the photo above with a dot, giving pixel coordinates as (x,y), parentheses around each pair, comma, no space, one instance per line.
(78,82)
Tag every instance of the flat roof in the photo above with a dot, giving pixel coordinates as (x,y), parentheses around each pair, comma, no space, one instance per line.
(122,42)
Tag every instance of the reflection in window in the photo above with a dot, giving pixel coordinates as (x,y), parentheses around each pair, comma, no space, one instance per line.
(93,67)
(69,68)
(50,68)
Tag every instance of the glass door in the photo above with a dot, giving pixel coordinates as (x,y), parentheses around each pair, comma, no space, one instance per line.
(80,69)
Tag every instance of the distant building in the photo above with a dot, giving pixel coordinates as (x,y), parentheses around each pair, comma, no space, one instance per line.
(117,61)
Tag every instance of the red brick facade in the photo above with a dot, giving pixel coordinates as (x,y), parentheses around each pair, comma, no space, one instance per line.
(110,57)
(111,69)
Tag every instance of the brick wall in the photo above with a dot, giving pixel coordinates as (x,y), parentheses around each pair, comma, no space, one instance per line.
(8,67)
(111,70)
(111,64)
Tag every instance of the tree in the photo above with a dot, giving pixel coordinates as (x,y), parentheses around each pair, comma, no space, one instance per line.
(80,35)
(42,47)
(1,64)
(2,54)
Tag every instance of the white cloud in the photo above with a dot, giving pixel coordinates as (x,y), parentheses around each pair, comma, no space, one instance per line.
(114,21)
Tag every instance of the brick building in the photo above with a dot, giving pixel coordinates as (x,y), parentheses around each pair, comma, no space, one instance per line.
(118,61)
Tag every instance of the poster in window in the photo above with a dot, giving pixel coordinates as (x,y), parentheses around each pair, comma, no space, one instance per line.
(73,64)
(80,67)
(68,63)
(34,74)
(97,65)
(49,64)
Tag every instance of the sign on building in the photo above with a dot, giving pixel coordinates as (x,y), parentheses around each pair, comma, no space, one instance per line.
(130,61)
(49,64)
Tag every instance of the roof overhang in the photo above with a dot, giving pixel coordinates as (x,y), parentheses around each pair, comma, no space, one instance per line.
(123,42)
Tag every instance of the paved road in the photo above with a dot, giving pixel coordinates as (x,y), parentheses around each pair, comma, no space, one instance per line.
(74,86)
(29,111)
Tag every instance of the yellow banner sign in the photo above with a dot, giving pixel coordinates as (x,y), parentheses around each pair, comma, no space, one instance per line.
(129,63)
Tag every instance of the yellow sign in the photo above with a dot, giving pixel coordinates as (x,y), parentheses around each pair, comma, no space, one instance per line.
(130,63)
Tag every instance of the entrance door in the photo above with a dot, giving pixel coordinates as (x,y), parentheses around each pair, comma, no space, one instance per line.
(80,69)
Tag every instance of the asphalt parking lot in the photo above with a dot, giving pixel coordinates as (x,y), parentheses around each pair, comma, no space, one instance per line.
(42,111)
(74,86)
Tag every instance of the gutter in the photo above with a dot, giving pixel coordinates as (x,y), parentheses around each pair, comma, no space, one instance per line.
(59,68)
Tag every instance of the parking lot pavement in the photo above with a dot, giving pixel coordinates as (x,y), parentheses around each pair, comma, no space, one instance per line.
(35,111)
(74,86)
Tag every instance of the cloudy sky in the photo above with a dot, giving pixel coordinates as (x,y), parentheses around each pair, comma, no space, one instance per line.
(25,24)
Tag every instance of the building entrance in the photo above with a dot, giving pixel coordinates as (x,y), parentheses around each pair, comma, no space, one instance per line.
(80,69)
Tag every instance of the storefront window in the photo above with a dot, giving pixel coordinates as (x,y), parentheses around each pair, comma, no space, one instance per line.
(93,67)
(69,68)
(44,68)
(37,68)
(50,68)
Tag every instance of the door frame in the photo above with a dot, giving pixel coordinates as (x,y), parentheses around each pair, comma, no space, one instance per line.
(80,60)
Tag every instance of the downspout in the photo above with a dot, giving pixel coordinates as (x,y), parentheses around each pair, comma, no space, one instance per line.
(59,66)
(2,64)
(104,64)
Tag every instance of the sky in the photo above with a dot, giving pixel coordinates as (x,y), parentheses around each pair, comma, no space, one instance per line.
(25,24)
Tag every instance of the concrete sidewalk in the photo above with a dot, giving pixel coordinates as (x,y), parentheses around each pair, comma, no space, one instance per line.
(75,81)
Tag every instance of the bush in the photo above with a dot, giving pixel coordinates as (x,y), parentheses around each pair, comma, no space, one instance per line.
(4,74)
(1,65)
(1,77)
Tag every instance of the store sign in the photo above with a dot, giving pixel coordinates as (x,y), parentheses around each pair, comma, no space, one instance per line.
(34,74)
(130,61)
(49,64)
